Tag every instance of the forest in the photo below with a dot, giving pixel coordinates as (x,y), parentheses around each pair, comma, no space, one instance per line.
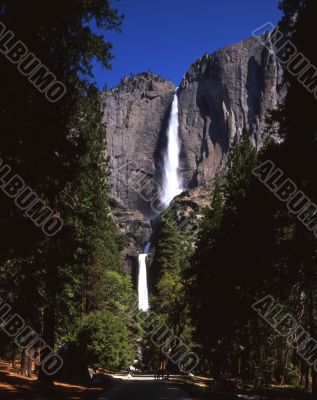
(240,294)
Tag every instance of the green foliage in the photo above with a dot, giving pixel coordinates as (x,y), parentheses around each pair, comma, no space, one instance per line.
(170,265)
(200,262)
(58,149)
(241,161)
(97,236)
(253,246)
(216,282)
(104,340)
(116,294)
(171,260)
(211,220)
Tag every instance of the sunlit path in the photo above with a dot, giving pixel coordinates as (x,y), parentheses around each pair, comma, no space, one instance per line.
(145,388)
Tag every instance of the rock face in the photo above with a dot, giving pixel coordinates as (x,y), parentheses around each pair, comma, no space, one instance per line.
(187,210)
(219,95)
(136,114)
(137,230)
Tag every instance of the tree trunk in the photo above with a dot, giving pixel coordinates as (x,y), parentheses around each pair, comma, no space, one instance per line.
(26,363)
(29,361)
(314,381)
(301,379)
(23,363)
(216,366)
(37,359)
(301,373)
(307,380)
(312,325)
(13,356)
(49,338)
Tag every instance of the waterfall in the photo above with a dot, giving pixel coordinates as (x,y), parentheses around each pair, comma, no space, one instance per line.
(171,180)
(142,284)
(147,247)
(171,187)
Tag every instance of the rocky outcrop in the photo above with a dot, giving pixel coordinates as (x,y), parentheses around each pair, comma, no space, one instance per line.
(137,231)
(187,210)
(136,114)
(219,95)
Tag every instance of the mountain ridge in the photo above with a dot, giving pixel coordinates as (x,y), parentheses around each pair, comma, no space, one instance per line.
(220,94)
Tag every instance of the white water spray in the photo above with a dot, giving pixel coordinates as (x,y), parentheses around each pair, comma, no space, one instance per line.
(171,180)
(142,283)
(171,188)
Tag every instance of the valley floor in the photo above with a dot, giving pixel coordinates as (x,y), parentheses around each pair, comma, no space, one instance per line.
(142,387)
(17,387)
(145,389)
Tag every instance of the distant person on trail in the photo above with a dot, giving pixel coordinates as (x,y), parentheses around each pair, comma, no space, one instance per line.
(159,370)
(132,370)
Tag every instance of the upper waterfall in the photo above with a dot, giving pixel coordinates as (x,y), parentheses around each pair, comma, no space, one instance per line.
(171,180)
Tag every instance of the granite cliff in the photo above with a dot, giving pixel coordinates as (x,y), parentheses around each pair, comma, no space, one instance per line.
(220,94)
(136,114)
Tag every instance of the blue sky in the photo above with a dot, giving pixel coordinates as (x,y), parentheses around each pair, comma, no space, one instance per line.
(166,36)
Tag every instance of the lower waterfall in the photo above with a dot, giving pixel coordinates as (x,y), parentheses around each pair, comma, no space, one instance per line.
(142,284)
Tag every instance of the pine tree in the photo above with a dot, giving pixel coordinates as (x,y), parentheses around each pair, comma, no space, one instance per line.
(201,267)
(241,161)
(220,250)
(297,127)
(170,265)
(98,237)
(42,143)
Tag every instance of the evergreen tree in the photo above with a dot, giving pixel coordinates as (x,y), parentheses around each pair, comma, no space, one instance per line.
(200,270)
(170,265)
(58,149)
(218,262)
(98,237)
(298,129)
(105,342)
(241,161)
